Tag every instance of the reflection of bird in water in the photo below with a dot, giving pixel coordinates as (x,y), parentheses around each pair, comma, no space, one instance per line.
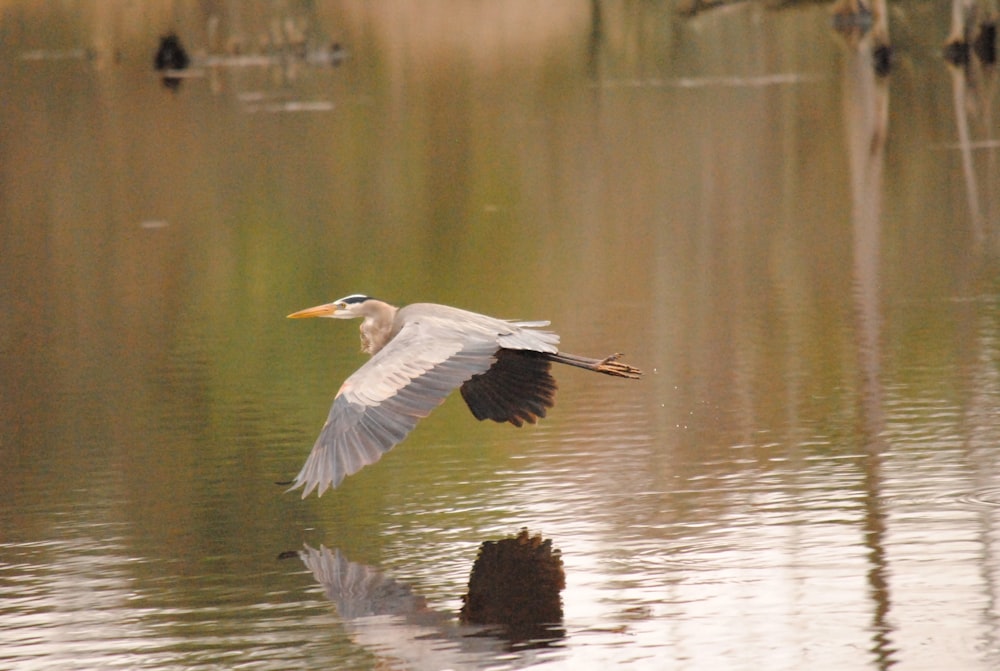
(420,353)
(359,590)
(516,583)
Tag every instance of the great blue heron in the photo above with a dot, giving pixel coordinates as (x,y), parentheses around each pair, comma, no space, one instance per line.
(420,354)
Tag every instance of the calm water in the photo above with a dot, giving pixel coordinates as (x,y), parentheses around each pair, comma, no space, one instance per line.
(801,256)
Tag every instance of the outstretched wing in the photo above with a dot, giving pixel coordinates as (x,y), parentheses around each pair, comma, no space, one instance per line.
(382,401)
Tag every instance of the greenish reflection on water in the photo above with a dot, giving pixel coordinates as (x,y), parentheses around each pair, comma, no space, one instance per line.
(801,256)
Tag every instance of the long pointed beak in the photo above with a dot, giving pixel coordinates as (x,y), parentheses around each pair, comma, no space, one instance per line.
(326,310)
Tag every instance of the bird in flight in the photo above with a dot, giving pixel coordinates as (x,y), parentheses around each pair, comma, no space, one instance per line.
(420,354)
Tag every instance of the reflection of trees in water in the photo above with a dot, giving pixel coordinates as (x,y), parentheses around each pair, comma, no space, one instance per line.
(287,43)
(866,120)
(979,446)
(865,27)
(973,32)
(971,51)
(973,88)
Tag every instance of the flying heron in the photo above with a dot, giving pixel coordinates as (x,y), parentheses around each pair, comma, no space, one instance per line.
(420,354)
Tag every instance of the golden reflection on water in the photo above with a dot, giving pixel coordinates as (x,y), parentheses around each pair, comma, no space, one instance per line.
(805,476)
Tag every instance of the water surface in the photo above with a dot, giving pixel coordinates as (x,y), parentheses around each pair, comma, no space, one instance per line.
(800,254)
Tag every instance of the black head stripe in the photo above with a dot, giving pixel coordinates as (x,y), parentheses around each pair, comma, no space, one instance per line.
(354,298)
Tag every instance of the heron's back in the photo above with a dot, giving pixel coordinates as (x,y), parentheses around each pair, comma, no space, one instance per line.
(443,321)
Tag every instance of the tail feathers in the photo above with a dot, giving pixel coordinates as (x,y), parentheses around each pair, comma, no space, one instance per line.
(608,365)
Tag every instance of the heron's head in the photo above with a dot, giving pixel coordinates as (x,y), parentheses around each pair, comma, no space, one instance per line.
(347,307)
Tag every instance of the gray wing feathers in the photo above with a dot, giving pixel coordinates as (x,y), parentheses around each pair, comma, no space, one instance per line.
(382,402)
(536,341)
(437,349)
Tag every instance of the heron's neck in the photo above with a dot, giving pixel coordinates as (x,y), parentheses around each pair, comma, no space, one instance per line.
(376,329)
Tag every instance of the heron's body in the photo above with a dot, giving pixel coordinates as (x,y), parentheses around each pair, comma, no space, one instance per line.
(420,354)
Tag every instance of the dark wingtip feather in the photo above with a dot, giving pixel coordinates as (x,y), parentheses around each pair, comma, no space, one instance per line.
(518,388)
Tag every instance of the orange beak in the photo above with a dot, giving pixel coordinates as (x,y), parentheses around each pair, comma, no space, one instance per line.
(319,311)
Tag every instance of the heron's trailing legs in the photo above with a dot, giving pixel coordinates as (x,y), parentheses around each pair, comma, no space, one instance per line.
(609,365)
